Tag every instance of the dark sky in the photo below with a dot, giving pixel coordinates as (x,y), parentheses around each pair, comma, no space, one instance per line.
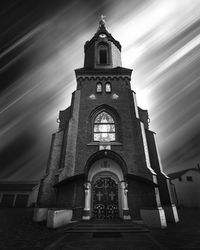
(41,43)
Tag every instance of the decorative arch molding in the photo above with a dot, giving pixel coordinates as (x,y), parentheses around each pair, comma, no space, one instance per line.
(103,47)
(106,174)
(123,80)
(105,108)
(106,154)
(112,169)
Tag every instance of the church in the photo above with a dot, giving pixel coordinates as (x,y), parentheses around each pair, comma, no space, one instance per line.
(104,161)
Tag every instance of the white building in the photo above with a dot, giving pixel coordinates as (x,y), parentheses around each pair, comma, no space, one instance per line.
(186,186)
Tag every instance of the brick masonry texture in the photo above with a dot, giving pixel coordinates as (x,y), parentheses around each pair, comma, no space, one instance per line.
(73,144)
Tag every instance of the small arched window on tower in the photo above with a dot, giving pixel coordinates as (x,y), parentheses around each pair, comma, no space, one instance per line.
(103,54)
(104,128)
(108,87)
(99,87)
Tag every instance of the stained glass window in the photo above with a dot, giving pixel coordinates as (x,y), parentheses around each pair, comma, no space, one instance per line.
(104,128)
(108,87)
(99,87)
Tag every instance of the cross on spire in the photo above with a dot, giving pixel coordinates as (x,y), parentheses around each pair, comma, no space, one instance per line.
(102,21)
(103,17)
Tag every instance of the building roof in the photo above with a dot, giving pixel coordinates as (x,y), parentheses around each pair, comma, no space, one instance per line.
(17,185)
(180,173)
(102,30)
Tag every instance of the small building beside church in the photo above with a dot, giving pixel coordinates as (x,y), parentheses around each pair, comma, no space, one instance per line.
(104,161)
(15,194)
(186,186)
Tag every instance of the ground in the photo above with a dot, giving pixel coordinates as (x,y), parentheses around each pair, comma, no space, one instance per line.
(17,231)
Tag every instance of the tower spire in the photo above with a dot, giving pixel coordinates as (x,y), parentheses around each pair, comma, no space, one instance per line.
(102,51)
(102,22)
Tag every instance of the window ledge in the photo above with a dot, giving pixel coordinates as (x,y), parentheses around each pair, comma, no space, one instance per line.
(96,143)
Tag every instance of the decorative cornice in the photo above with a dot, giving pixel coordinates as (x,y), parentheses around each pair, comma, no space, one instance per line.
(103,74)
(104,71)
(103,78)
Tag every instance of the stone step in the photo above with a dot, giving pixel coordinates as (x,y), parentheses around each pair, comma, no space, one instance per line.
(84,227)
(107,225)
(106,230)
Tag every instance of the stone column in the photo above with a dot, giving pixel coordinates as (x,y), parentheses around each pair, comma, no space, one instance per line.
(125,209)
(87,208)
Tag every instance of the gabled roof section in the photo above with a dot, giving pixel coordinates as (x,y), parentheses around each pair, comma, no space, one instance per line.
(17,185)
(180,173)
(102,30)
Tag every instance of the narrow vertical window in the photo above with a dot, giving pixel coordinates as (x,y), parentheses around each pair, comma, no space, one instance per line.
(103,54)
(104,128)
(99,87)
(108,87)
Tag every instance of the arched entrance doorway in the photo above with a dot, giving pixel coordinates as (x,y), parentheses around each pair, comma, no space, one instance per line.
(105,191)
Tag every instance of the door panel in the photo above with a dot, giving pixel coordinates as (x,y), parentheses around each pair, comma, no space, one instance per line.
(105,198)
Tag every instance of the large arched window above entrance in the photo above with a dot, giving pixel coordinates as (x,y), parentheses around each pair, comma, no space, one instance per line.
(104,129)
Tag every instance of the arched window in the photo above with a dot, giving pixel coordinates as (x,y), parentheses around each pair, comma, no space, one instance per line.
(104,128)
(108,87)
(103,54)
(99,87)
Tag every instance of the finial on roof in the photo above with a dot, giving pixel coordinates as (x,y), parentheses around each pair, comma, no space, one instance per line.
(102,21)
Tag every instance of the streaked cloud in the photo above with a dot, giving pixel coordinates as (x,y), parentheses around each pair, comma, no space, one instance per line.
(160,41)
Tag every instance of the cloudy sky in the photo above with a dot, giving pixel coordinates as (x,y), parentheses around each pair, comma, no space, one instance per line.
(42,43)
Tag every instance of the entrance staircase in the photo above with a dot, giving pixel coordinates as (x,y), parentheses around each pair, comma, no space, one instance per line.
(106,226)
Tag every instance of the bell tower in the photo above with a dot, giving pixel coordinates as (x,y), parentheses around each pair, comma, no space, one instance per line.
(104,161)
(102,51)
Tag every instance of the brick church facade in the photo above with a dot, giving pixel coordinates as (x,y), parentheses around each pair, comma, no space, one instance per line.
(103,161)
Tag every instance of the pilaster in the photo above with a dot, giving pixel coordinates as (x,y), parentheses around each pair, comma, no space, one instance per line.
(125,209)
(87,207)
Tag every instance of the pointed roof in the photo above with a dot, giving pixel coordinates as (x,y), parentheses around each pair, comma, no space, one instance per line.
(102,30)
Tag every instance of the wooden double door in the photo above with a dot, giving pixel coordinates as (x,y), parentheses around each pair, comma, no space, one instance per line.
(105,198)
